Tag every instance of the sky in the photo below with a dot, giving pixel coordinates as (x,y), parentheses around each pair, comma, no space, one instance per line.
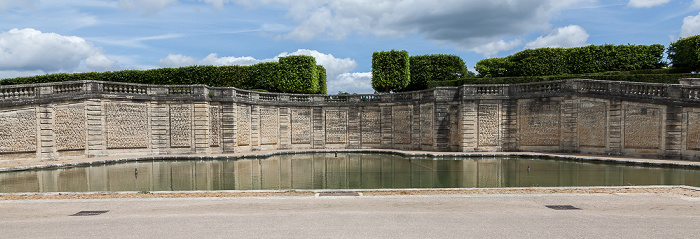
(50,36)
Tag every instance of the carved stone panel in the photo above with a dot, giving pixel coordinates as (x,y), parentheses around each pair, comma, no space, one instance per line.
(301,126)
(181,125)
(243,125)
(215,125)
(539,123)
(70,127)
(426,124)
(642,127)
(126,125)
(18,131)
(693,140)
(336,126)
(489,125)
(402,124)
(371,126)
(592,123)
(269,126)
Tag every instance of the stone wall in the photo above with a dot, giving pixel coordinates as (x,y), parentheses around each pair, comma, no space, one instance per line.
(90,118)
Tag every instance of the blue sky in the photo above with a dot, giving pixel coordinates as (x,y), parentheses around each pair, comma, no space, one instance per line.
(49,36)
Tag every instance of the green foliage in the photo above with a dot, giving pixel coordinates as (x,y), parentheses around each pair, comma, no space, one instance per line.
(390,70)
(577,60)
(298,74)
(303,76)
(539,62)
(440,67)
(651,76)
(264,76)
(494,67)
(685,54)
(232,76)
(322,78)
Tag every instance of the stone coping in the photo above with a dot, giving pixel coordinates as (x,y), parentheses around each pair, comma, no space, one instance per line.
(24,164)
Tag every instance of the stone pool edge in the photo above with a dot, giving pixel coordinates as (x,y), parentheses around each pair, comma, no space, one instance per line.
(436,155)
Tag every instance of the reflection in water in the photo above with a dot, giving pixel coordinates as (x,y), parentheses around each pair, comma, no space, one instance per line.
(346,171)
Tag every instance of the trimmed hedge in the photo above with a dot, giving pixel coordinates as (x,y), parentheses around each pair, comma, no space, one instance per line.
(439,67)
(322,87)
(577,60)
(390,70)
(261,76)
(659,76)
(264,76)
(685,54)
(298,74)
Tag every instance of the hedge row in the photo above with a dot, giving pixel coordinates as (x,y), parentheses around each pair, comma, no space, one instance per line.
(685,53)
(578,60)
(651,77)
(390,70)
(427,68)
(261,76)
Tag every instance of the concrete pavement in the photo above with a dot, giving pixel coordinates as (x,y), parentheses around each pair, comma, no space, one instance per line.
(436,216)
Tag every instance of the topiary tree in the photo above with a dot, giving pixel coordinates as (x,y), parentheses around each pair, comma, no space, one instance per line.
(685,54)
(298,74)
(390,70)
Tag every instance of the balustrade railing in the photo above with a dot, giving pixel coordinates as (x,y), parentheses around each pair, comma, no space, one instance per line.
(14,92)
(577,86)
(68,88)
(124,88)
(540,87)
(641,89)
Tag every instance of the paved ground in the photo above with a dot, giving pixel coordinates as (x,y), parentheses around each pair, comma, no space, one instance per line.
(626,215)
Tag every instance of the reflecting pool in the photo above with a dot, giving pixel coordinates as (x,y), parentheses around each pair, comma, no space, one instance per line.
(344,171)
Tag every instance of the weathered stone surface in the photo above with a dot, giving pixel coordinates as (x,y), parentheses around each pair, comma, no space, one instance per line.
(336,126)
(18,131)
(642,126)
(180,125)
(70,127)
(567,116)
(592,123)
(126,124)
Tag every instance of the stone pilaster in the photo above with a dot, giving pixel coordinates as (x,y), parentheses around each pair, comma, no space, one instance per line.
(201,128)
(319,128)
(47,149)
(160,128)
(97,144)
(228,127)
(615,127)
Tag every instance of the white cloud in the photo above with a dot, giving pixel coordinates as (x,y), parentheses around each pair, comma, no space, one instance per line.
(646,3)
(691,26)
(148,7)
(31,50)
(7,4)
(178,60)
(351,82)
(492,48)
(464,23)
(334,66)
(569,36)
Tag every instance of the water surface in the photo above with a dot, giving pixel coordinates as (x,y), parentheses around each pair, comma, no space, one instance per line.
(346,171)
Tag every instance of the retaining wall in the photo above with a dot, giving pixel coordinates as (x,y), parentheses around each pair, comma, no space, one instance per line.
(92,118)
